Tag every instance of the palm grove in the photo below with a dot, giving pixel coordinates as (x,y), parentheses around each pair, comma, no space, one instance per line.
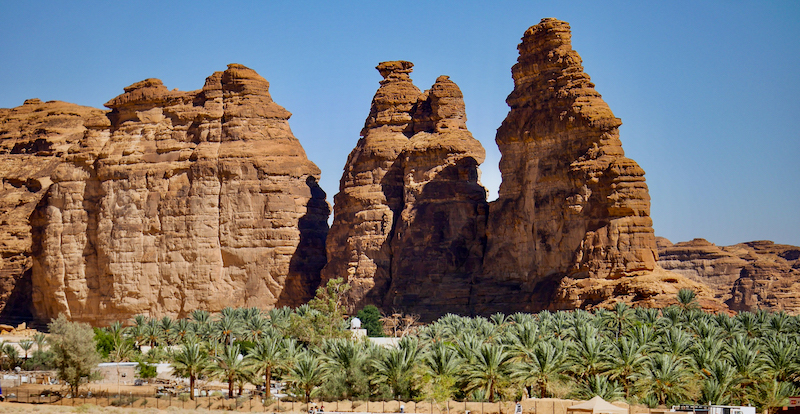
(678,354)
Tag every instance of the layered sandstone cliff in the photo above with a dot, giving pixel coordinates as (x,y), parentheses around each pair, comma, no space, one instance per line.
(174,201)
(571,206)
(409,215)
(745,276)
(178,201)
(35,139)
(439,237)
(570,201)
(571,228)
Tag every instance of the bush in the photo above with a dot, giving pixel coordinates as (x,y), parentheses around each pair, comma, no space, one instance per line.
(371,320)
(104,341)
(146,371)
(40,361)
(74,350)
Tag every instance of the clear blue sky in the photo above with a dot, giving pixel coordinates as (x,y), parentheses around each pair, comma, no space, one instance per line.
(708,91)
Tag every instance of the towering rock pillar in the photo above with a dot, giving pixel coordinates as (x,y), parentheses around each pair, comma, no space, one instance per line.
(409,218)
(439,238)
(570,203)
(371,191)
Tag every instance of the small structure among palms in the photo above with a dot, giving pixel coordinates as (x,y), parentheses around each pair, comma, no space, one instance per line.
(596,405)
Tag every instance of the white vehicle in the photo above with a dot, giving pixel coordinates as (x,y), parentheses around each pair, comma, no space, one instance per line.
(713,409)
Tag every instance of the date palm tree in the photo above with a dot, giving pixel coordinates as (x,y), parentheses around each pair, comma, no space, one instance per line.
(201,324)
(718,386)
(227,328)
(522,338)
(167,325)
(153,335)
(705,353)
(666,377)
(190,361)
(256,326)
(782,358)
(590,352)
(306,374)
(545,364)
(395,367)
(750,323)
(442,364)
(676,342)
(182,330)
(748,361)
(26,346)
(619,318)
(647,316)
(773,395)
(687,299)
(627,358)
(265,357)
(598,385)
(228,366)
(489,370)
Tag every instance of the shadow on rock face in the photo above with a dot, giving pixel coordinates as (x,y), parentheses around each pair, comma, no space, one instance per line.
(309,258)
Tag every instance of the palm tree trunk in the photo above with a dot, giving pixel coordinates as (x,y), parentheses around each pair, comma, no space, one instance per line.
(230,387)
(267,375)
(191,387)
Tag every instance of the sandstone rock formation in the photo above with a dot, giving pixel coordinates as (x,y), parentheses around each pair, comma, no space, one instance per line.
(371,191)
(439,237)
(571,227)
(178,201)
(745,276)
(570,203)
(174,201)
(34,141)
(408,218)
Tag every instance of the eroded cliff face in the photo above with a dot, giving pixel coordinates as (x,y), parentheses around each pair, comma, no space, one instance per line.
(745,276)
(571,228)
(439,237)
(174,201)
(179,201)
(35,140)
(410,212)
(571,205)
(570,202)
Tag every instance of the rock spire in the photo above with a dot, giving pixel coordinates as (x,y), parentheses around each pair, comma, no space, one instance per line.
(409,194)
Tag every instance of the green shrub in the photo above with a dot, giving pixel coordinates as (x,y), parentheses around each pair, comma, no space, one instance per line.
(370,318)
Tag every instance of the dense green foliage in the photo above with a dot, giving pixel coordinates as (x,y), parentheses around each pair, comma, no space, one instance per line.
(74,351)
(146,371)
(370,318)
(674,355)
(104,341)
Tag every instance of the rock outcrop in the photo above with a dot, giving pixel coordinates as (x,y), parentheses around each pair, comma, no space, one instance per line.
(439,238)
(570,205)
(570,202)
(409,216)
(175,201)
(745,276)
(35,139)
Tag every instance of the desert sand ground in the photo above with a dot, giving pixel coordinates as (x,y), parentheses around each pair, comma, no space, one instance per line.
(219,404)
